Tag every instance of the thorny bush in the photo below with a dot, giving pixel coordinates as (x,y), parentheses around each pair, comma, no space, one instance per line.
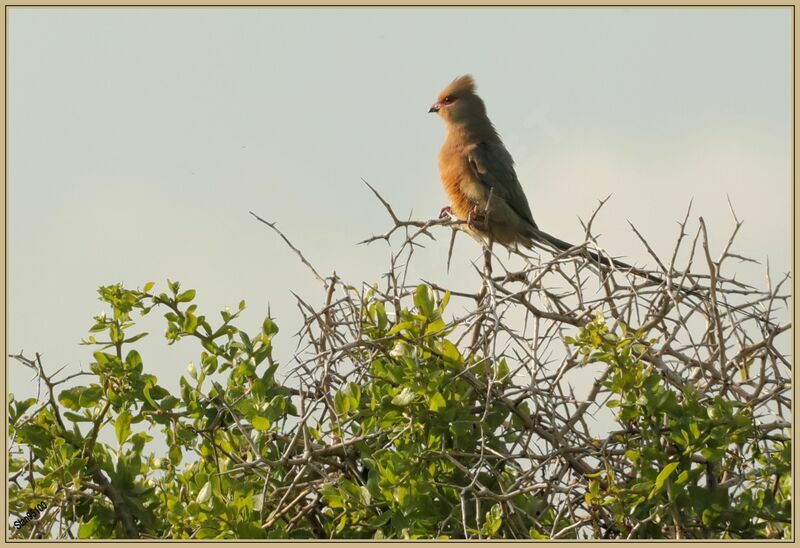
(402,419)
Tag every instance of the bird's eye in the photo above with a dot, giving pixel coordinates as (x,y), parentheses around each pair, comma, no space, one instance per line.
(448,99)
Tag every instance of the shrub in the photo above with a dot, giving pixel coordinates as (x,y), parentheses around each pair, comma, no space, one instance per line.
(400,419)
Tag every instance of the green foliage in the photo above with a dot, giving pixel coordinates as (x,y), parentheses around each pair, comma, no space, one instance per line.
(418,409)
(185,492)
(413,445)
(677,451)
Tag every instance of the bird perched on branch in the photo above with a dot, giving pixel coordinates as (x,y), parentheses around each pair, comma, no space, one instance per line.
(478,174)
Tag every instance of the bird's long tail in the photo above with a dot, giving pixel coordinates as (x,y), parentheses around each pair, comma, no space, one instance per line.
(561,245)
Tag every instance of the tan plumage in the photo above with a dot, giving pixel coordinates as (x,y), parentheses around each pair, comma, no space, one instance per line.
(477,171)
(478,174)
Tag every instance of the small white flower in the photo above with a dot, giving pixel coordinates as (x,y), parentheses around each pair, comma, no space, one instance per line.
(192,370)
(403,398)
(258,502)
(399,350)
(227,308)
(205,493)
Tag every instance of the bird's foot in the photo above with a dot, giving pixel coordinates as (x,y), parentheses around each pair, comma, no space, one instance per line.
(446,212)
(476,220)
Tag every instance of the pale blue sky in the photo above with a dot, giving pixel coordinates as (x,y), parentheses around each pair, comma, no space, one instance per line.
(140,138)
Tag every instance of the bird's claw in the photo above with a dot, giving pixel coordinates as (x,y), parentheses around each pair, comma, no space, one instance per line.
(476,220)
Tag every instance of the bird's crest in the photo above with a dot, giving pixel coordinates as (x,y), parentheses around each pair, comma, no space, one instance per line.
(463,85)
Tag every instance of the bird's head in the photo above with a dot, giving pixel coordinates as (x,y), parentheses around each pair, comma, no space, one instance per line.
(458,101)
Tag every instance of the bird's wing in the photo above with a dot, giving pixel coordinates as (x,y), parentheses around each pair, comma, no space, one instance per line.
(493,166)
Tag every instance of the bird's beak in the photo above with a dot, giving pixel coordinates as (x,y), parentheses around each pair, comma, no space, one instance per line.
(436,106)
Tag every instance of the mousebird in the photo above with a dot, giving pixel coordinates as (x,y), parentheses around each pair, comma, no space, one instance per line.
(479,177)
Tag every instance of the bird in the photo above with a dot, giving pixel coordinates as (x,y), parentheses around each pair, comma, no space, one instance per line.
(478,174)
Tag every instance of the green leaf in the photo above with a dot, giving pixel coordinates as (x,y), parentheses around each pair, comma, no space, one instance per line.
(437,402)
(341,403)
(74,417)
(332,497)
(80,396)
(665,474)
(400,327)
(401,495)
(714,454)
(170,402)
(75,466)
(269,327)
(149,383)
(260,423)
(502,370)
(494,520)
(35,435)
(190,322)
(87,529)
(122,426)
(380,315)
(186,296)
(135,338)
(175,454)
(70,398)
(353,390)
(445,301)
(449,351)
(436,327)
(536,535)
(98,327)
(133,361)
(423,301)
(91,396)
